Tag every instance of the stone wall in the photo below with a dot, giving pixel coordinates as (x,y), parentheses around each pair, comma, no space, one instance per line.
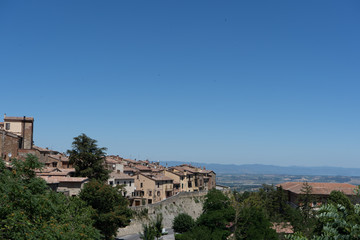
(184,202)
(9,143)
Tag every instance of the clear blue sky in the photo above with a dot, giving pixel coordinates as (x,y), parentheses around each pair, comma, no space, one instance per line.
(271,82)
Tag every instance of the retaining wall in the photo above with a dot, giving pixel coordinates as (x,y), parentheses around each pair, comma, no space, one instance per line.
(184,202)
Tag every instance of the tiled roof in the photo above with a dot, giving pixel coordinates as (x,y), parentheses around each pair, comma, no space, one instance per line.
(59,157)
(161,178)
(319,188)
(120,175)
(130,160)
(142,168)
(176,172)
(58,179)
(110,160)
(52,173)
(129,169)
(43,149)
(284,227)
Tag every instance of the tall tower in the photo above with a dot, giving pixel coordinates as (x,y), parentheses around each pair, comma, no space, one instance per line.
(23,127)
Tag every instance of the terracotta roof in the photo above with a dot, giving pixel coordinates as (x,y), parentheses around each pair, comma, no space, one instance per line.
(52,173)
(161,178)
(130,160)
(111,160)
(129,169)
(58,179)
(142,168)
(283,227)
(120,175)
(176,173)
(59,157)
(43,149)
(319,188)
(206,171)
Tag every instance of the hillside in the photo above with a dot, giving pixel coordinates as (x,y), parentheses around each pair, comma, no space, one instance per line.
(271,169)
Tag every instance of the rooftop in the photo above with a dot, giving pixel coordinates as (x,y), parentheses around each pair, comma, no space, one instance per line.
(319,188)
(120,175)
(6,118)
(58,179)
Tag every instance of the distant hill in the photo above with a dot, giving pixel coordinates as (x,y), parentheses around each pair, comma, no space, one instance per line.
(271,169)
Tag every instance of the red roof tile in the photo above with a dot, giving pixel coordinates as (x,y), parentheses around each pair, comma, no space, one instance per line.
(319,188)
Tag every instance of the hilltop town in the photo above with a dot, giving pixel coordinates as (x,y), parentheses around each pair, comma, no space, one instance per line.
(145,182)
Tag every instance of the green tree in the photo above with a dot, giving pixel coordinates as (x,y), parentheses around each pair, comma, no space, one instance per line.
(337,197)
(217,214)
(88,159)
(29,210)
(306,200)
(111,208)
(253,224)
(149,232)
(197,233)
(183,223)
(158,225)
(336,224)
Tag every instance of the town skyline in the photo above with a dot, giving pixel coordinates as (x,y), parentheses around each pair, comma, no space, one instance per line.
(237,83)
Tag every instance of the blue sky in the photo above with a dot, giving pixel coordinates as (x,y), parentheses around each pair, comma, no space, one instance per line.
(271,82)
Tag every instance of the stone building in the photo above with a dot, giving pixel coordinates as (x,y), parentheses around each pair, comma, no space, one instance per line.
(319,191)
(70,186)
(151,188)
(119,178)
(23,127)
(16,134)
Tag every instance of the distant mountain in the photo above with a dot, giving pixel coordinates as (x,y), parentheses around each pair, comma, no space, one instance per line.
(271,169)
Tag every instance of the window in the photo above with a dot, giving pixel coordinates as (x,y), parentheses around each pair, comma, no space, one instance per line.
(125,182)
(54,164)
(130,183)
(158,185)
(7,126)
(158,193)
(182,185)
(111,182)
(141,184)
(150,193)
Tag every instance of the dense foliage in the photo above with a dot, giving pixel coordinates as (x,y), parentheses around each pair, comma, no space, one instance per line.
(28,210)
(183,223)
(88,159)
(253,224)
(111,208)
(215,221)
(251,215)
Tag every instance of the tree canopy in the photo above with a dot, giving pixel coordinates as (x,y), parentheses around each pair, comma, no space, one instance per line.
(111,208)
(88,159)
(29,210)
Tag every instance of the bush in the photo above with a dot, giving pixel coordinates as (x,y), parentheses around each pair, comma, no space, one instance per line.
(183,223)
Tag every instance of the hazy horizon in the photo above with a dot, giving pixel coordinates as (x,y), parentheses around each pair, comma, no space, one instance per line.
(249,82)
